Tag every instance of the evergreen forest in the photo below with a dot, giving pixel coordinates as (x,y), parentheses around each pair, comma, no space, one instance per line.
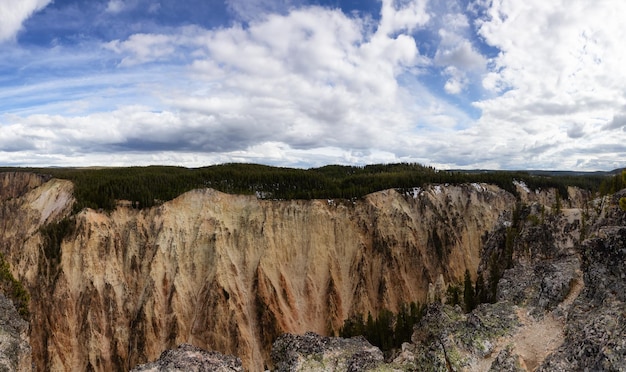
(100,188)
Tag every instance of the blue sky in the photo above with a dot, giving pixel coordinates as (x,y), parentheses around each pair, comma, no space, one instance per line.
(496,84)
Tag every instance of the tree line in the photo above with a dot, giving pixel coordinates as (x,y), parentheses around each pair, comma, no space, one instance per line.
(386,330)
(148,186)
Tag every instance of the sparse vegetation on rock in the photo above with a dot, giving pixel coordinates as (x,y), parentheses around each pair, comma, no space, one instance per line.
(13,288)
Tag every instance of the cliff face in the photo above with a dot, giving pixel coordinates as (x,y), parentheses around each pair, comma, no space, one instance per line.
(229,273)
(561,304)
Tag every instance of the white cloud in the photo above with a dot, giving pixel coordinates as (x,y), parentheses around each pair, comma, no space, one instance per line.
(312,86)
(576,130)
(462,63)
(115,6)
(13,13)
(459,53)
(314,83)
(560,65)
(618,122)
(456,81)
(399,16)
(144,48)
(324,82)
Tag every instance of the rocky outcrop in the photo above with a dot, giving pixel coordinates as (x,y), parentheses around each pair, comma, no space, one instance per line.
(15,351)
(189,358)
(312,352)
(596,323)
(446,338)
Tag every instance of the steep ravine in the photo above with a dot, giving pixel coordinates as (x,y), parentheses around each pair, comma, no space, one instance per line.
(228,273)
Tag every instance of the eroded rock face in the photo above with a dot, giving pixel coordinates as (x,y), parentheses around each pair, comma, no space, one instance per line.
(561,304)
(596,331)
(16,184)
(15,351)
(231,273)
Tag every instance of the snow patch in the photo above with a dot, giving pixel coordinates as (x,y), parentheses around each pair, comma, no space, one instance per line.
(522,185)
(415,192)
(478,187)
(262,194)
(437,189)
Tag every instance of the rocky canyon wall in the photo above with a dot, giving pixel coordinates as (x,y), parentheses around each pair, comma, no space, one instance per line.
(227,272)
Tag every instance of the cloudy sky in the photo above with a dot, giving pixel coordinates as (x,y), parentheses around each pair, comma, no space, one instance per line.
(499,84)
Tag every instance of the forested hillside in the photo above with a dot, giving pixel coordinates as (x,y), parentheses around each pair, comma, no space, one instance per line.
(147,186)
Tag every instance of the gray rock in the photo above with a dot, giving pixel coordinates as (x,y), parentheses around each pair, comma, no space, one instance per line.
(312,352)
(192,359)
(15,351)
(446,338)
(506,361)
(596,324)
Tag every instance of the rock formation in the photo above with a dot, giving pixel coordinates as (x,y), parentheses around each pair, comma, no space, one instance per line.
(561,306)
(15,351)
(189,358)
(112,290)
(312,352)
(225,272)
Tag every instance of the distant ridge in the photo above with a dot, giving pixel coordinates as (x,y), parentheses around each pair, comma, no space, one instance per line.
(548,173)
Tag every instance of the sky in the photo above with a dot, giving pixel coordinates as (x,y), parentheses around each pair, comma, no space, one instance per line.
(491,84)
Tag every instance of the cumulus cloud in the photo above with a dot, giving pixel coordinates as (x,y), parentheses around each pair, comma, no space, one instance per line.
(456,80)
(14,12)
(325,82)
(456,54)
(576,131)
(306,85)
(559,65)
(313,81)
(618,122)
(402,16)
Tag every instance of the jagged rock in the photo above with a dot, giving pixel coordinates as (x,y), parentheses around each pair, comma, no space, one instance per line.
(15,351)
(596,324)
(446,338)
(506,361)
(312,352)
(543,284)
(556,281)
(188,358)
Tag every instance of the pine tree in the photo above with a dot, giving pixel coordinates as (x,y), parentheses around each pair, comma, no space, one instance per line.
(622,201)
(469,297)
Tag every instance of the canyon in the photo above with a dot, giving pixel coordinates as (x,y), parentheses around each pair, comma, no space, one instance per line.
(232,273)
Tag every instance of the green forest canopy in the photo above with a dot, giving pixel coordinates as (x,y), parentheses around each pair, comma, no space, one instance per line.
(147,186)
